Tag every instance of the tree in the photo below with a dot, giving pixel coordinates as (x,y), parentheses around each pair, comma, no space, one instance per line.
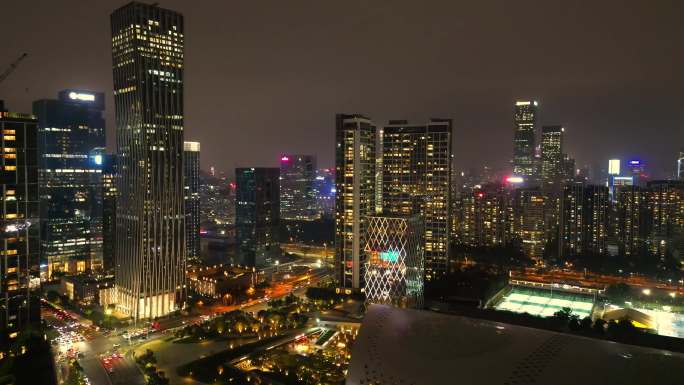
(585,324)
(619,293)
(563,314)
(599,326)
(52,296)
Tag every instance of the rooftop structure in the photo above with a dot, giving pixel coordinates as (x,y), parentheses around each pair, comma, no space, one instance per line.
(405,346)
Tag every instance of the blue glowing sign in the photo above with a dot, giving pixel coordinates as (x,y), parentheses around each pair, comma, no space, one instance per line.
(635,162)
(97,159)
(389,256)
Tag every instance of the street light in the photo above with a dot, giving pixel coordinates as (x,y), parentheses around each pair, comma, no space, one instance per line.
(646,291)
(673,294)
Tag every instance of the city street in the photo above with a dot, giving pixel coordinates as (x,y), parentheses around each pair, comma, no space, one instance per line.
(78,339)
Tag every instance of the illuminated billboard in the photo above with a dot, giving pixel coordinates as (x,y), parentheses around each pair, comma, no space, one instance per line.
(614,167)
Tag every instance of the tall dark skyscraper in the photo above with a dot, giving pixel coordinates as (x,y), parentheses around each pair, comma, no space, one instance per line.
(71,136)
(109,197)
(525,121)
(147,54)
(552,162)
(19,230)
(355,140)
(297,192)
(192,198)
(416,176)
(680,165)
(257,215)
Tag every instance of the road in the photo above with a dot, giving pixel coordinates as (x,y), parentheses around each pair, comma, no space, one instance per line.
(93,345)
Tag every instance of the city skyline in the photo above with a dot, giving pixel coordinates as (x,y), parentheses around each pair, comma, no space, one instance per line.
(614,98)
(133,266)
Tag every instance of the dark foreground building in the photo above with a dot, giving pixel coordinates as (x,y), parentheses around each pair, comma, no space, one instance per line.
(257,215)
(403,346)
(19,231)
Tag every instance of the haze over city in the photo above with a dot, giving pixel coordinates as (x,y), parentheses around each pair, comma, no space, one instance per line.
(341,193)
(267,78)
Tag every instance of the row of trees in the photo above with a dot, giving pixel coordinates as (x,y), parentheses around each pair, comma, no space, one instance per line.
(147,361)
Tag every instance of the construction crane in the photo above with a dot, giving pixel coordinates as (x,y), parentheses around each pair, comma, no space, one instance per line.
(12,67)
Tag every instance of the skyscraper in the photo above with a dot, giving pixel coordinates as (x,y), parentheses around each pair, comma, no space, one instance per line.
(355,137)
(324,189)
(147,53)
(191,166)
(552,163)
(525,122)
(666,218)
(628,224)
(680,165)
(257,215)
(584,220)
(487,216)
(71,136)
(19,230)
(297,193)
(531,221)
(109,197)
(417,181)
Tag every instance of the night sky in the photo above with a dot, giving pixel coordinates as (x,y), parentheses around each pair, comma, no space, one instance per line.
(265,77)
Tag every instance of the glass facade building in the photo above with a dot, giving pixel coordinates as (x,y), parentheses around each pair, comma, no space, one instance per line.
(148,62)
(257,215)
(192,198)
(416,176)
(552,159)
(297,191)
(394,261)
(71,138)
(19,230)
(355,140)
(525,122)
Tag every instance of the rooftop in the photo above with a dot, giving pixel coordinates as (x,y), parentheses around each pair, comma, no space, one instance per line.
(402,346)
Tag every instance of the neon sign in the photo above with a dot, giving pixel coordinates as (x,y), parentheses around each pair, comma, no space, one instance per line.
(81,96)
(389,256)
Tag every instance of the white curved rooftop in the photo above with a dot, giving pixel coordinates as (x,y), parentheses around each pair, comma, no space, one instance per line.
(405,347)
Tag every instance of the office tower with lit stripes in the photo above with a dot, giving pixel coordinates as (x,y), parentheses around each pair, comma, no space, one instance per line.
(147,55)
(297,192)
(417,181)
(552,162)
(257,215)
(191,165)
(71,137)
(19,228)
(680,165)
(355,141)
(525,122)
(109,197)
